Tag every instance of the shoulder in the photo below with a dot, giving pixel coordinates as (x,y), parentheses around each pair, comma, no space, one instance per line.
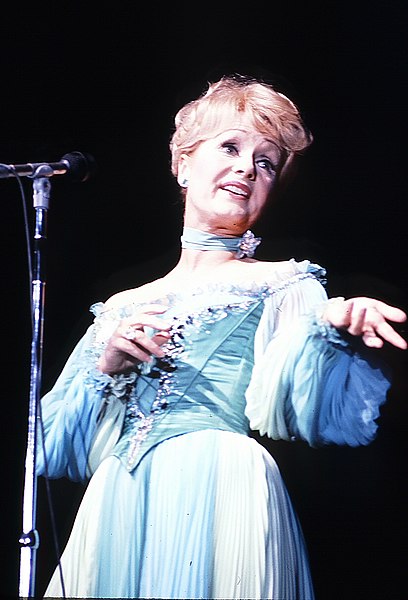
(120,298)
(287,269)
(138,295)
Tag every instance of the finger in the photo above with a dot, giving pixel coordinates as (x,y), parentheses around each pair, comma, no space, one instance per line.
(371,339)
(391,313)
(147,319)
(144,328)
(137,342)
(139,354)
(375,322)
(161,338)
(150,321)
(389,334)
(357,320)
(122,354)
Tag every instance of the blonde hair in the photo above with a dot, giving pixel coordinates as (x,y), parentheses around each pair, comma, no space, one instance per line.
(270,112)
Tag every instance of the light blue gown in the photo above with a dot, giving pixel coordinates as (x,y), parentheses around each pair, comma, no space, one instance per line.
(181,502)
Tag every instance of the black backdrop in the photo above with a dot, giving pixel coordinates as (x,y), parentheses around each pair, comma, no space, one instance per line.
(108,81)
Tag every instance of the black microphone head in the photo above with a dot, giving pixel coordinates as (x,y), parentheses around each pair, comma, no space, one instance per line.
(82,166)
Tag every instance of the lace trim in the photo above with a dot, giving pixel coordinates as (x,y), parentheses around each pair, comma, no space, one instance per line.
(322,328)
(123,387)
(263,289)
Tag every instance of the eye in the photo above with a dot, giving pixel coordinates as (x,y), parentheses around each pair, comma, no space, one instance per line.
(267,164)
(230,147)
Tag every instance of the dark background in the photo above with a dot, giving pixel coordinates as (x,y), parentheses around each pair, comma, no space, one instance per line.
(108,81)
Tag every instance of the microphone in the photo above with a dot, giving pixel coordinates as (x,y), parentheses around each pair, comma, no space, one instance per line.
(78,166)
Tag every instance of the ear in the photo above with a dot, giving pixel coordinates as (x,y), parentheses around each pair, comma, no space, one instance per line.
(183,173)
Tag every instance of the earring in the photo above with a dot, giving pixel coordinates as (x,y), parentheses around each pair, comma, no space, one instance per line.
(184,183)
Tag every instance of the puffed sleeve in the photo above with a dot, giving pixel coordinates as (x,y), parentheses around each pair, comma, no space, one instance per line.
(309,382)
(80,417)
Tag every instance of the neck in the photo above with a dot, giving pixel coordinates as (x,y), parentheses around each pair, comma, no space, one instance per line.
(192,260)
(196,239)
(205,251)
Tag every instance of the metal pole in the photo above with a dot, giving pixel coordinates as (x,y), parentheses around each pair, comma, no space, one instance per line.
(29,539)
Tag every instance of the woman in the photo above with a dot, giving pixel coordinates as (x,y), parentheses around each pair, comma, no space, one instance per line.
(157,400)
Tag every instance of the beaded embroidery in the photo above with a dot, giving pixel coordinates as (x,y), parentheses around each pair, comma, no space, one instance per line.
(165,369)
(162,372)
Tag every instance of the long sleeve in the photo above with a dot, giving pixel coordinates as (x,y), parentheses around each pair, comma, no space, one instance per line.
(308,382)
(70,414)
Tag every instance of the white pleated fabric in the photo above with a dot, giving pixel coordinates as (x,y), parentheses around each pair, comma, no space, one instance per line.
(204,515)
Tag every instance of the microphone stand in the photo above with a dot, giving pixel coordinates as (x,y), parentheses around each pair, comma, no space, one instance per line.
(29,539)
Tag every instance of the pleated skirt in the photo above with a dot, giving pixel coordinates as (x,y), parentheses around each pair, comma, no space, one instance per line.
(204,515)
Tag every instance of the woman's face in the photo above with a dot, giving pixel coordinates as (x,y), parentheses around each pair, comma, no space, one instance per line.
(230,178)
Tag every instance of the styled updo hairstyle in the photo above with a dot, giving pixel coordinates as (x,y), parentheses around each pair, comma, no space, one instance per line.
(270,112)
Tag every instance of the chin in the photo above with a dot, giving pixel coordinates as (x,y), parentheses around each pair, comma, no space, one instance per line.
(237,219)
(230,226)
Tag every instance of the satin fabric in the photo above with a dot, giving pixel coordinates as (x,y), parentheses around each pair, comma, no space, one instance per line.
(181,502)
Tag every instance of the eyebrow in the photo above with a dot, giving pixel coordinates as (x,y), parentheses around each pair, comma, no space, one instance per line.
(234,130)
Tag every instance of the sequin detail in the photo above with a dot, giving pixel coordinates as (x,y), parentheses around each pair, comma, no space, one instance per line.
(97,380)
(248,245)
(165,370)
(161,374)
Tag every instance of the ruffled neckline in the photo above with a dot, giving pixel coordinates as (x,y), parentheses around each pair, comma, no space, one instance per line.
(277,280)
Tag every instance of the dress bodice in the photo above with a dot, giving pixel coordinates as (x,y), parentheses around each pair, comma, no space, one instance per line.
(201,382)
(249,355)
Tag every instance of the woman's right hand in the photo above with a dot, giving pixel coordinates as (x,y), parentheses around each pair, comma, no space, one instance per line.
(130,344)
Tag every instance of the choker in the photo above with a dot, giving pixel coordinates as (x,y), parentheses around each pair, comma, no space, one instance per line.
(244,246)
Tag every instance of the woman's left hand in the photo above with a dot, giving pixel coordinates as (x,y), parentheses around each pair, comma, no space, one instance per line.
(367,318)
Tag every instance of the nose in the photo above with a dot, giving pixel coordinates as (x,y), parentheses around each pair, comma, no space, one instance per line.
(244,165)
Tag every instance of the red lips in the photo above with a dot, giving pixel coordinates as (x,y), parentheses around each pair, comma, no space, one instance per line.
(237,187)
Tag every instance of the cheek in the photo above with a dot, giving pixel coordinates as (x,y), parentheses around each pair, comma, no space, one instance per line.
(199,170)
(264,192)
(206,176)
